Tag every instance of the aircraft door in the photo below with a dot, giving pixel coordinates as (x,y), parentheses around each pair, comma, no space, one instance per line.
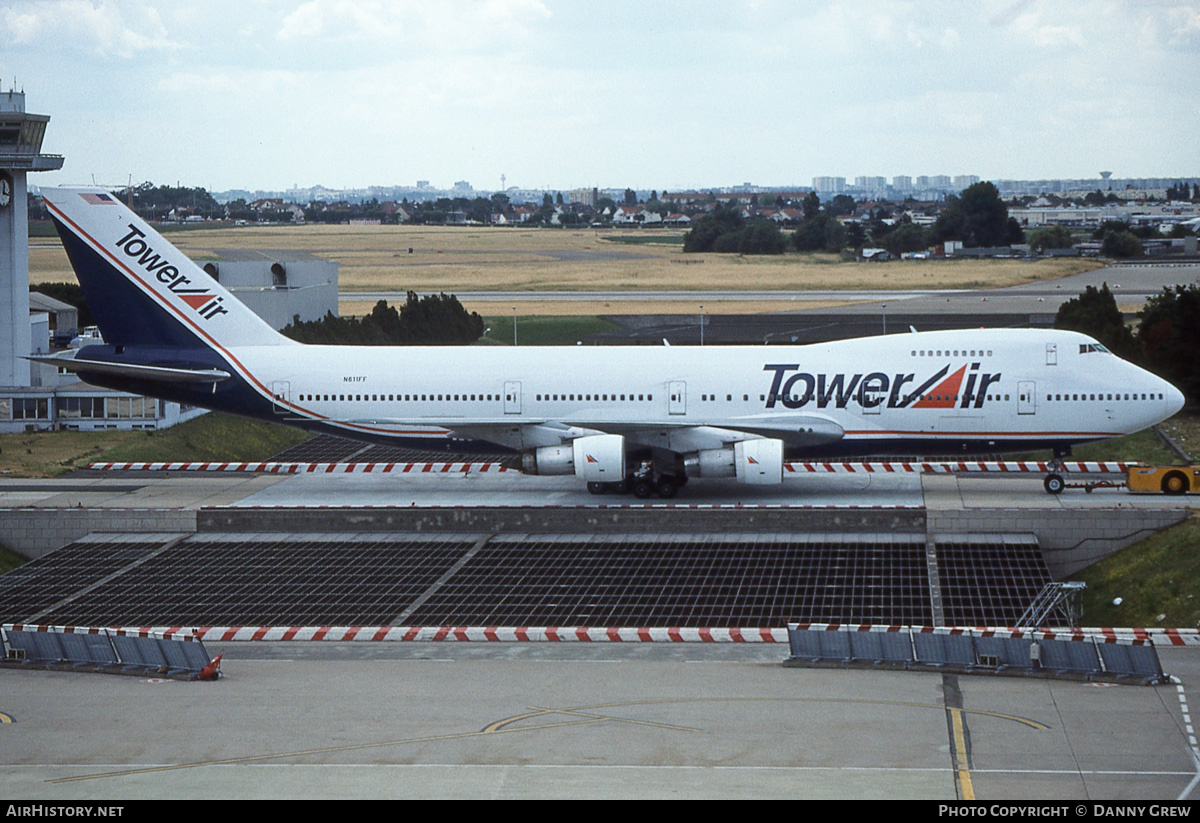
(677,397)
(512,397)
(871,394)
(1051,354)
(281,394)
(1026,397)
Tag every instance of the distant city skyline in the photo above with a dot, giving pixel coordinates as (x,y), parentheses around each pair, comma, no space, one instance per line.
(554,94)
(423,189)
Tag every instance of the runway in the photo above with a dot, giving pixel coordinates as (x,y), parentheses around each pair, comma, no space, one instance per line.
(450,488)
(1131,284)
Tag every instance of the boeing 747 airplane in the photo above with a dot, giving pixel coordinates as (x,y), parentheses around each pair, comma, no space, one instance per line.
(641,419)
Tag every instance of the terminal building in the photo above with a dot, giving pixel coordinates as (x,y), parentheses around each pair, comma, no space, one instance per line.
(39,397)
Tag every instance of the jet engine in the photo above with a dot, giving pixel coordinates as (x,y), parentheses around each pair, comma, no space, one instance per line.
(754,462)
(597,458)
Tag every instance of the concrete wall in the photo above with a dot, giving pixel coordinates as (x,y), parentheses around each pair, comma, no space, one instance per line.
(1070,539)
(551,520)
(35,532)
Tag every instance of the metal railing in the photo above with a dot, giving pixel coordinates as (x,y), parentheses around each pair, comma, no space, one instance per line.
(977,651)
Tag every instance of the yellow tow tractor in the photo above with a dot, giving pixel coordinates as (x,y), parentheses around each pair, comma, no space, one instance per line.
(1164,479)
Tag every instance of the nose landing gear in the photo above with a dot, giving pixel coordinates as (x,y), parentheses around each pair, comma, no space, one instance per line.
(1054,483)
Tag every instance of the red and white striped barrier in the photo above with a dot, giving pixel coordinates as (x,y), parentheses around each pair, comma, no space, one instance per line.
(592,634)
(1003,466)
(313,468)
(1160,637)
(187,635)
(955,467)
(590,506)
(497,634)
(476,634)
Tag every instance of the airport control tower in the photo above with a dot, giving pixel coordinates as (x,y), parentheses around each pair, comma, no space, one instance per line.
(20,153)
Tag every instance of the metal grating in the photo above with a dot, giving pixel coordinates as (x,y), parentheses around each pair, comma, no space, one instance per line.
(36,586)
(989,583)
(684,581)
(219,582)
(758,580)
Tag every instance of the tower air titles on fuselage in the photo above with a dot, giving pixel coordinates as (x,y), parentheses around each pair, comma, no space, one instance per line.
(795,391)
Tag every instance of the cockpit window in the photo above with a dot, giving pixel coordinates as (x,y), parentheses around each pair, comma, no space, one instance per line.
(1086,348)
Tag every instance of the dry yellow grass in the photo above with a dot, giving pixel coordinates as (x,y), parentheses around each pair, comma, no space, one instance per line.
(377,258)
(589,308)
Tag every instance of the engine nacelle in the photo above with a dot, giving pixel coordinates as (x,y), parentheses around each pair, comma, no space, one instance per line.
(710,463)
(755,462)
(759,462)
(596,458)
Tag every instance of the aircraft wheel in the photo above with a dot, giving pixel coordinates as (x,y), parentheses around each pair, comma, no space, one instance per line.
(1054,484)
(667,487)
(622,486)
(1175,483)
(642,488)
(595,487)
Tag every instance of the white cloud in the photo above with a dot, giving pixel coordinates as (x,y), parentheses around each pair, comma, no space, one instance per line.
(403,22)
(1185,24)
(122,29)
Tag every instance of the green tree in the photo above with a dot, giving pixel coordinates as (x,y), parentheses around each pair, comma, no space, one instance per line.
(1169,333)
(436,319)
(1095,314)
(1121,244)
(978,218)
(705,230)
(903,236)
(724,230)
(820,233)
(1051,237)
(841,204)
(811,205)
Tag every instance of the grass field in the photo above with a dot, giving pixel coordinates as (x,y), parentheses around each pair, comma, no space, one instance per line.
(542,330)
(213,436)
(1157,579)
(376,258)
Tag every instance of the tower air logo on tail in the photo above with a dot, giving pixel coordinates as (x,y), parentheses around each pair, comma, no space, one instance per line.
(200,300)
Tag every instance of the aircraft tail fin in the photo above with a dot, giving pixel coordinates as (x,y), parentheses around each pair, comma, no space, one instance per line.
(142,290)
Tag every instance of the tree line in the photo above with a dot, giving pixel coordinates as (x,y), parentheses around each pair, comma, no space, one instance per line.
(977,217)
(434,320)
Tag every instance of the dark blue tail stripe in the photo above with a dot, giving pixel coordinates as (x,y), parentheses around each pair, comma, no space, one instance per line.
(126,315)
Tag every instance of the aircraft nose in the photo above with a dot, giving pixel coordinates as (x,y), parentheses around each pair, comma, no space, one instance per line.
(1174,399)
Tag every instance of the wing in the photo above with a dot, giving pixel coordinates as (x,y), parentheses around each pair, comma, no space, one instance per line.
(798,431)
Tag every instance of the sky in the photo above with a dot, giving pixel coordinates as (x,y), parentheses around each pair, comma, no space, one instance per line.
(560,94)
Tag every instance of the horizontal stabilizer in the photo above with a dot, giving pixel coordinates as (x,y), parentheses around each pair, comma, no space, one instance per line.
(132,370)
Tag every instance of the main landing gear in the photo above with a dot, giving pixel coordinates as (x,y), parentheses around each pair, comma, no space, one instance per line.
(643,483)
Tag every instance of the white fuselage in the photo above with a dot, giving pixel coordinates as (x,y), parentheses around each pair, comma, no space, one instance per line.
(996,385)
